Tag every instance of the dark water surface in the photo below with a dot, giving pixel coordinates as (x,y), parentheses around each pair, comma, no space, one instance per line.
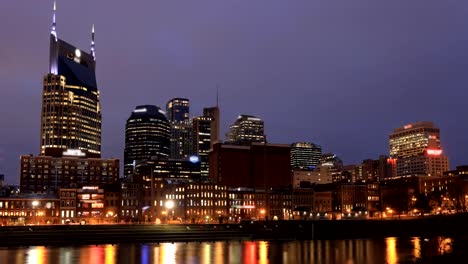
(388,250)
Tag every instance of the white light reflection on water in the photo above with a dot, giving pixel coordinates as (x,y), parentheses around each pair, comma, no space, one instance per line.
(37,255)
(168,253)
(389,250)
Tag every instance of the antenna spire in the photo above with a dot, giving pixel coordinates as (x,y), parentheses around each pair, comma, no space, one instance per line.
(54,24)
(93,52)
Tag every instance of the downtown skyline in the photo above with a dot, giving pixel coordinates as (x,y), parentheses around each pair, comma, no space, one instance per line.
(170,60)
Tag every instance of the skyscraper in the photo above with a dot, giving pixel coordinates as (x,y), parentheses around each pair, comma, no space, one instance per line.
(305,156)
(213,114)
(417,150)
(177,110)
(70,125)
(147,136)
(71,110)
(181,140)
(246,130)
(202,142)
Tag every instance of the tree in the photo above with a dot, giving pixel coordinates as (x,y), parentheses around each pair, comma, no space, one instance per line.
(456,195)
(422,203)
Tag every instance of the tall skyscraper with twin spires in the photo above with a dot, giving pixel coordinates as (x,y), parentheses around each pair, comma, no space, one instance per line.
(71,110)
(70,153)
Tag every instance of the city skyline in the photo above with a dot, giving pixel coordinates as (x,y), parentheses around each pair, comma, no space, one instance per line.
(319,101)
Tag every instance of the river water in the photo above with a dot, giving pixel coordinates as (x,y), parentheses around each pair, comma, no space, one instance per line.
(388,250)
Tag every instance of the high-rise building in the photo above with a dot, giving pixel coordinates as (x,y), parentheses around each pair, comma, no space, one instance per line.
(177,110)
(202,142)
(181,140)
(417,150)
(147,136)
(70,125)
(71,110)
(213,113)
(305,156)
(246,130)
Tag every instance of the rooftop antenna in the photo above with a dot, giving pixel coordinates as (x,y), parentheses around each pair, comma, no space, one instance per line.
(54,24)
(93,52)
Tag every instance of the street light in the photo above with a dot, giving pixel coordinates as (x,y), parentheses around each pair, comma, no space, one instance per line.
(390,211)
(262,213)
(34,205)
(169,206)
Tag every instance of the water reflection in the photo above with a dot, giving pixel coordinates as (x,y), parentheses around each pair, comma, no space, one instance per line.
(416,247)
(392,257)
(389,250)
(109,254)
(37,255)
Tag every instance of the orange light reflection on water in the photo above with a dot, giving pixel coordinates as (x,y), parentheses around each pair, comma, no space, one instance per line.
(250,252)
(109,254)
(263,252)
(416,241)
(219,252)
(391,250)
(96,255)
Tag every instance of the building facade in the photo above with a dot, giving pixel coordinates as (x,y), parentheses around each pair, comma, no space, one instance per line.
(255,166)
(45,174)
(305,156)
(147,136)
(170,170)
(213,114)
(181,146)
(320,175)
(417,150)
(246,129)
(29,209)
(202,142)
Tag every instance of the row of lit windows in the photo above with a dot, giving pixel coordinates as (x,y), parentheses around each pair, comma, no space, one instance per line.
(26,213)
(23,204)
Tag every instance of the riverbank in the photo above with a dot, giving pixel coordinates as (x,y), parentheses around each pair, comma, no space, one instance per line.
(450,226)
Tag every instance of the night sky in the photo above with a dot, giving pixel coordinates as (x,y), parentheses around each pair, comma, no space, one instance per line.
(339,73)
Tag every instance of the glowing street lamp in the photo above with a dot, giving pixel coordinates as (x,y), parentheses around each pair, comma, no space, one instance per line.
(170,206)
(262,213)
(34,205)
